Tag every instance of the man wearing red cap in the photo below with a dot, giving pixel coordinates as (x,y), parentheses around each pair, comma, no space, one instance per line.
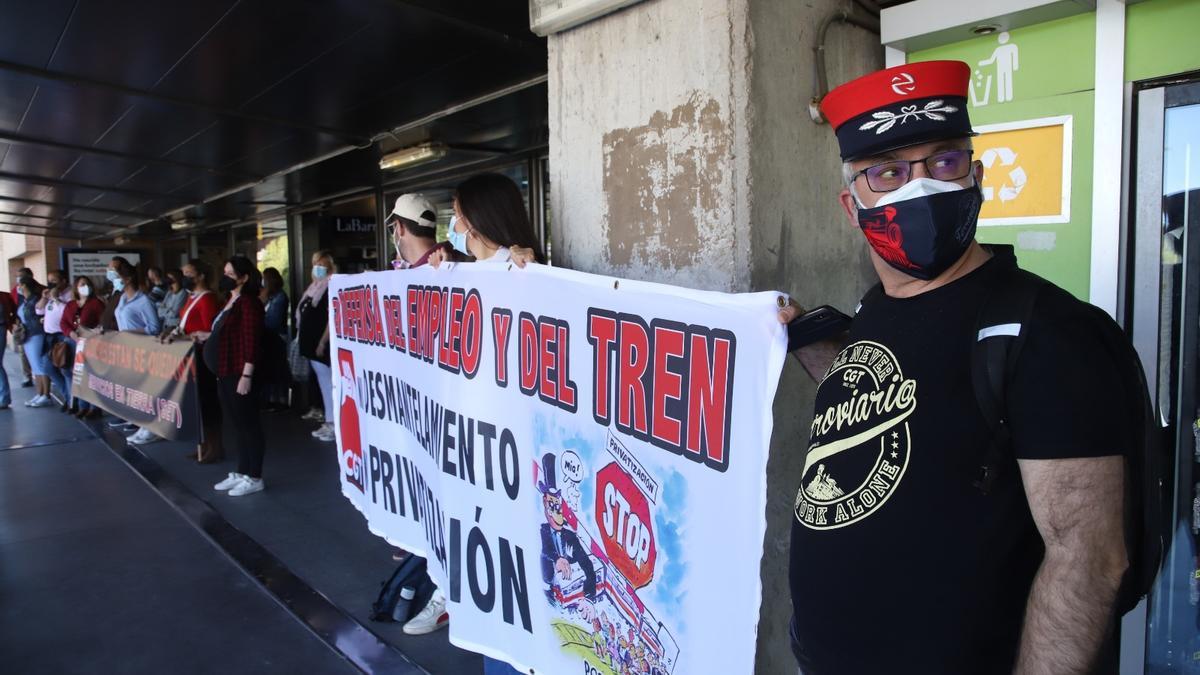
(899,563)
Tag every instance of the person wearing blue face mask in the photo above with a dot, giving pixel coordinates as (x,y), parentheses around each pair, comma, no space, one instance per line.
(490,222)
(312,327)
(984,566)
(111,293)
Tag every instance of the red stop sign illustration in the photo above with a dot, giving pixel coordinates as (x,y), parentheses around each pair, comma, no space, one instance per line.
(626,526)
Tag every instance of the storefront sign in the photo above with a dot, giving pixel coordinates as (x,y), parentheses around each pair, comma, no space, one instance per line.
(356,225)
(138,379)
(1027,171)
(581,459)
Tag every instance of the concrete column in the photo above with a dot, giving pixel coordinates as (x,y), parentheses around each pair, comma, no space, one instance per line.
(801,242)
(681,151)
(649,135)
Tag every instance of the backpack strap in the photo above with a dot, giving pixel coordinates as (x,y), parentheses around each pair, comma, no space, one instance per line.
(1002,328)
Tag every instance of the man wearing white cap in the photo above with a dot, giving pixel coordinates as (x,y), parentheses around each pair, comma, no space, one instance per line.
(412,227)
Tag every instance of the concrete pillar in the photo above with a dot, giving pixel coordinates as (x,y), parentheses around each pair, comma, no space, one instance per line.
(649,135)
(681,151)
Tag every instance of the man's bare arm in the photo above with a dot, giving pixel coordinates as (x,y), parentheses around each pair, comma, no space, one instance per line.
(1077,505)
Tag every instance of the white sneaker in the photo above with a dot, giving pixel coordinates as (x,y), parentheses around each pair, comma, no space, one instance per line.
(118,424)
(247,486)
(314,414)
(134,435)
(433,617)
(41,402)
(321,430)
(142,437)
(325,433)
(232,480)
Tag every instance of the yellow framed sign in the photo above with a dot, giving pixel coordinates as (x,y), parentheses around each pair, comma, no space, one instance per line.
(1026,171)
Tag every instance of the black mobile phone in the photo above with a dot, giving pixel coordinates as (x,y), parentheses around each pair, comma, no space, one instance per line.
(815,325)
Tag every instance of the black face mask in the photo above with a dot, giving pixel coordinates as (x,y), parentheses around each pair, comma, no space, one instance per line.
(922,237)
(226,285)
(188,283)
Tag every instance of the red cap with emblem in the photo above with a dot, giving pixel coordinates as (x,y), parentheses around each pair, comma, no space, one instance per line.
(901,106)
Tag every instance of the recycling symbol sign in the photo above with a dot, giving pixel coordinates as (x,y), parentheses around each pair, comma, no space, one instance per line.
(1003,159)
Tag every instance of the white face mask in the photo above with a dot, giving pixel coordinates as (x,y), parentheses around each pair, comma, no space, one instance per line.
(917,187)
(84,291)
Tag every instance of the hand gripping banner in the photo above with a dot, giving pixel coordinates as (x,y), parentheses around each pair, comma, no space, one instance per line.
(141,380)
(581,459)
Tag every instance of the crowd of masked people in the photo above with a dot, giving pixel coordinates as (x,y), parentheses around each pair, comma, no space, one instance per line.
(239,320)
(237,317)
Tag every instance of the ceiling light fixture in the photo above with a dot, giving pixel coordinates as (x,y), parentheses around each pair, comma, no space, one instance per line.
(418,154)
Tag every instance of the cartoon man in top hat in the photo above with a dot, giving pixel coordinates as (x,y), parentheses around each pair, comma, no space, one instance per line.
(560,545)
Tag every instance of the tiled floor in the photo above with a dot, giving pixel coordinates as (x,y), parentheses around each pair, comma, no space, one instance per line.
(100,572)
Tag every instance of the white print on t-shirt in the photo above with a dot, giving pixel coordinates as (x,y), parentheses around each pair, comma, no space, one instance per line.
(860,442)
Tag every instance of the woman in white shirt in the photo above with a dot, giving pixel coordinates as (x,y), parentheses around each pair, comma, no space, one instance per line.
(490,223)
(490,219)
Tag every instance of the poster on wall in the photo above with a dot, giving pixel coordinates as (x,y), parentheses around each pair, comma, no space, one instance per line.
(581,459)
(94,263)
(1027,171)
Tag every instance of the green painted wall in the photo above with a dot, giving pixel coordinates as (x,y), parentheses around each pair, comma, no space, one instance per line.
(1055,76)
(1161,38)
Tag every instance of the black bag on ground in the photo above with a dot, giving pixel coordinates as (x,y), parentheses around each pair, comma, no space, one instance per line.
(393,603)
(1148,466)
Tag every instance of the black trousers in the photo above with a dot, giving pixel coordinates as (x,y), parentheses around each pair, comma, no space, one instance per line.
(242,425)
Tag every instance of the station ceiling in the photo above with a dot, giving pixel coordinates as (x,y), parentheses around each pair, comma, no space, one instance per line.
(126,116)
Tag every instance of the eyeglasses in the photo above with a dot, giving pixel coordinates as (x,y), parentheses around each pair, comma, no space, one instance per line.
(946,165)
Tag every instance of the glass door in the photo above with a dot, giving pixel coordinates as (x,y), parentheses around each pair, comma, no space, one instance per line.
(1166,330)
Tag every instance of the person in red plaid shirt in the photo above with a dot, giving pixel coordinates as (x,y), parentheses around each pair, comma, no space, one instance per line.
(231,351)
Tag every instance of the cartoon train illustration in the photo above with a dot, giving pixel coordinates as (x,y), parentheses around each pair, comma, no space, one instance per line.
(618,602)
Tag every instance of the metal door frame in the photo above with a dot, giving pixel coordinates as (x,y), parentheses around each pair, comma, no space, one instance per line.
(1141,275)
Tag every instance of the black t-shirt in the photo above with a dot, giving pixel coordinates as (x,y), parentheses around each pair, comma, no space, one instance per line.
(314,317)
(898,563)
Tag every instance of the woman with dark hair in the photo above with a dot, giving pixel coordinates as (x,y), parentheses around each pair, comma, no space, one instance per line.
(156,285)
(135,314)
(111,293)
(195,322)
(81,317)
(231,352)
(275,302)
(35,339)
(172,302)
(135,311)
(490,219)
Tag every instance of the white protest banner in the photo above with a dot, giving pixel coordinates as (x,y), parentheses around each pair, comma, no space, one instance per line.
(581,459)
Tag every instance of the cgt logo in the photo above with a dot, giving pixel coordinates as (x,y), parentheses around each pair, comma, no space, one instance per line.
(904,84)
(353,466)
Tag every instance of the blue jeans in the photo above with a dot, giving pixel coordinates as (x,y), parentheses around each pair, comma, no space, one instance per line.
(66,374)
(33,353)
(5,392)
(48,369)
